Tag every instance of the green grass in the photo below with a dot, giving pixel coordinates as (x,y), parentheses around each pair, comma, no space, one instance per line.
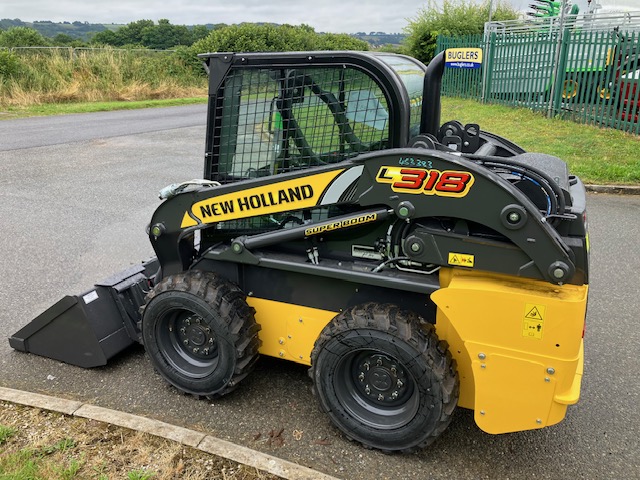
(60,460)
(6,433)
(140,475)
(594,154)
(29,463)
(88,107)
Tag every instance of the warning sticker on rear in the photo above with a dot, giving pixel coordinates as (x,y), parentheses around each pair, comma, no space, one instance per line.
(533,322)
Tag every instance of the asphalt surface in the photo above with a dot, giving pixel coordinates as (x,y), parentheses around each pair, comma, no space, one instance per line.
(76,193)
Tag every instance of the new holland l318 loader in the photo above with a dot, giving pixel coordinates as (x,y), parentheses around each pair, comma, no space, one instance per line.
(413,266)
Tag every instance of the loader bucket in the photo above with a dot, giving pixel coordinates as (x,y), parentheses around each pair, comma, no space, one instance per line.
(88,329)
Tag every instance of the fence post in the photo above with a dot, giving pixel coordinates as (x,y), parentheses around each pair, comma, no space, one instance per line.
(558,80)
(488,67)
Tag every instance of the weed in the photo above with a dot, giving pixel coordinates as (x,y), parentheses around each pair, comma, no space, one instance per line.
(70,471)
(61,446)
(6,433)
(140,475)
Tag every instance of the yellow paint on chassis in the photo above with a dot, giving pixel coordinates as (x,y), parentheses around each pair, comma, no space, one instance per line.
(289,331)
(513,381)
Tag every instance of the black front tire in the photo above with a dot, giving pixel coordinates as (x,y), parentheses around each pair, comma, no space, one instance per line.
(199,333)
(384,378)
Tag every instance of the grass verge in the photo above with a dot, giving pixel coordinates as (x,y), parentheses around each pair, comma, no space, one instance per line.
(88,107)
(596,155)
(37,444)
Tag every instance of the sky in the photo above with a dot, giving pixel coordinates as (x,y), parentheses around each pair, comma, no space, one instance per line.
(347,16)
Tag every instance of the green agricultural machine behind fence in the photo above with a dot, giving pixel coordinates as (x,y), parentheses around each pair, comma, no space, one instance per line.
(580,72)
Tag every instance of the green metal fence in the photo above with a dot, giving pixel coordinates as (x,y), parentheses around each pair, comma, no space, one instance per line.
(590,77)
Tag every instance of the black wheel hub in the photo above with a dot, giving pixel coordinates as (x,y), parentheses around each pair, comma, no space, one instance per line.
(381,379)
(188,343)
(376,389)
(194,336)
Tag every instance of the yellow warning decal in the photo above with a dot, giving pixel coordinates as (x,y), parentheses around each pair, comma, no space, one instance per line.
(461,259)
(303,192)
(533,322)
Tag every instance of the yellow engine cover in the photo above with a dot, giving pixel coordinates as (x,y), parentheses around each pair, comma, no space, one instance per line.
(518,346)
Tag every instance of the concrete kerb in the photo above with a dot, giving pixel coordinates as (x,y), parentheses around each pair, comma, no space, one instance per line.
(191,438)
(614,189)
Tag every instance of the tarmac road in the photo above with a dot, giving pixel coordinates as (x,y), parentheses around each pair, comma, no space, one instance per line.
(76,193)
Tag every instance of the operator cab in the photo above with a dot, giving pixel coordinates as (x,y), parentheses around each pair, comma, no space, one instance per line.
(275,114)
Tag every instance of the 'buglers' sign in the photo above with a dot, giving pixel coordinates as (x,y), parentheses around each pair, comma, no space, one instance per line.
(463,57)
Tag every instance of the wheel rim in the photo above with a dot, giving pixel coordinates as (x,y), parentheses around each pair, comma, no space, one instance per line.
(376,389)
(188,343)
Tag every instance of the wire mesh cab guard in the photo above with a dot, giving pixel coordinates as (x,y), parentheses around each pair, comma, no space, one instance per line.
(275,113)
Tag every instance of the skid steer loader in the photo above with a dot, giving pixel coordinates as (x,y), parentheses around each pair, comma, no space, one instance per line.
(413,266)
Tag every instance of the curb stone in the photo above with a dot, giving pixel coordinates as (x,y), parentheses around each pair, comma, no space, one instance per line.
(199,441)
(614,189)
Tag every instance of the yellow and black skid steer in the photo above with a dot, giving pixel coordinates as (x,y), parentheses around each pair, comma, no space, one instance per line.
(413,266)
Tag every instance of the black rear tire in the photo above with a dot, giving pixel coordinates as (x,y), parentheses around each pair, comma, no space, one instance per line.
(384,378)
(199,333)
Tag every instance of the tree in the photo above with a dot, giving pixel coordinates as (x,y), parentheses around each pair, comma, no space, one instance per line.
(164,35)
(64,40)
(130,34)
(455,17)
(146,33)
(198,32)
(22,37)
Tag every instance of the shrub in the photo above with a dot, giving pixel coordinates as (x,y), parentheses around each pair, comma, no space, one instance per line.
(454,17)
(9,65)
(249,37)
(22,37)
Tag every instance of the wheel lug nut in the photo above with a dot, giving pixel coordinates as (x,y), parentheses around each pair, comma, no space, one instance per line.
(197,320)
(367,390)
(394,395)
(205,351)
(196,350)
(393,369)
(361,377)
(399,384)
(379,362)
(380,397)
(367,365)
(183,330)
(186,342)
